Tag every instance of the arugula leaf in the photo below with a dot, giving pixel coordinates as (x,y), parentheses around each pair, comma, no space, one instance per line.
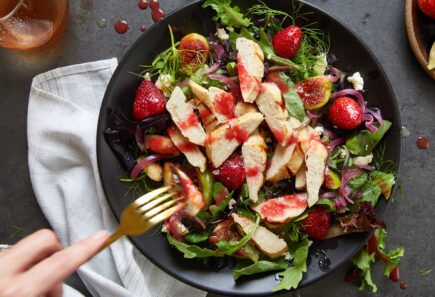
(216,209)
(327,202)
(363,260)
(244,193)
(229,247)
(359,182)
(203,80)
(244,267)
(294,232)
(370,192)
(394,257)
(293,275)
(245,212)
(197,237)
(293,101)
(385,181)
(191,251)
(229,16)
(364,142)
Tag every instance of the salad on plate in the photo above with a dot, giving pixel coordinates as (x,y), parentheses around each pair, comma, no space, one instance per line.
(268,145)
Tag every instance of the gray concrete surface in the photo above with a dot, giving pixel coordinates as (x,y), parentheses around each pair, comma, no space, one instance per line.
(379,23)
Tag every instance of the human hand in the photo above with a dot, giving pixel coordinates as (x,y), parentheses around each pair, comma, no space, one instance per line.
(38,264)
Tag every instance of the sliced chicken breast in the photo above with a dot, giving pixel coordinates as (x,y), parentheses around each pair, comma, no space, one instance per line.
(301,177)
(222,103)
(192,152)
(209,121)
(184,117)
(296,160)
(227,136)
(278,165)
(265,240)
(243,108)
(315,159)
(254,152)
(250,67)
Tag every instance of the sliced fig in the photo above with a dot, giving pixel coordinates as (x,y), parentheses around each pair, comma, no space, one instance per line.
(315,91)
(332,180)
(193,50)
(282,209)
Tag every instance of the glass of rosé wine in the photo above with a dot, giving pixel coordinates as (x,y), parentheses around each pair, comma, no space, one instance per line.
(31,24)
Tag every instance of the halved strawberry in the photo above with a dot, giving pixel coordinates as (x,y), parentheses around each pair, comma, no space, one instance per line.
(232,172)
(317,223)
(427,7)
(149,101)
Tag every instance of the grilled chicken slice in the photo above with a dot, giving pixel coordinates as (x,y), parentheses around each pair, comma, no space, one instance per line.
(227,136)
(296,160)
(192,152)
(201,94)
(278,211)
(222,104)
(184,117)
(278,165)
(250,67)
(174,176)
(209,121)
(315,159)
(254,152)
(272,105)
(301,177)
(243,108)
(305,135)
(265,240)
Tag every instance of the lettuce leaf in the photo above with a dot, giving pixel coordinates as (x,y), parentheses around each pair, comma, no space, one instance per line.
(293,101)
(394,257)
(229,16)
(363,260)
(293,275)
(244,267)
(364,142)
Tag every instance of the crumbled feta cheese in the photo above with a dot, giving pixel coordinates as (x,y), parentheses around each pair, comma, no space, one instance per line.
(269,56)
(231,29)
(319,130)
(357,81)
(181,228)
(164,229)
(205,82)
(231,203)
(222,34)
(366,160)
(287,255)
(147,76)
(164,83)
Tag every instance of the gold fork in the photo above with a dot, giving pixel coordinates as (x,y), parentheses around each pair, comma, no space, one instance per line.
(145,212)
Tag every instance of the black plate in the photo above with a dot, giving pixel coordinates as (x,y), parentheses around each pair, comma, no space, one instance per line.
(353,55)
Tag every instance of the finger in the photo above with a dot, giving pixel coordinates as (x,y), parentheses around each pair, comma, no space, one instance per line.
(29,251)
(55,292)
(53,270)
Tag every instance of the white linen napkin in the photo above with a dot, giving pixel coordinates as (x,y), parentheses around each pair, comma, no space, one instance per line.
(61,130)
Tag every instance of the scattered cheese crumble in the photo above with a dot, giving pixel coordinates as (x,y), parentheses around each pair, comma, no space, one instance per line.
(164,83)
(319,130)
(147,76)
(269,56)
(287,256)
(343,152)
(231,203)
(222,34)
(366,160)
(357,81)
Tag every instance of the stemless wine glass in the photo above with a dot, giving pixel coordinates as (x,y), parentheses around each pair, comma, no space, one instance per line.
(30,24)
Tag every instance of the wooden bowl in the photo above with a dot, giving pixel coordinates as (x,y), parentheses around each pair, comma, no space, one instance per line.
(415,24)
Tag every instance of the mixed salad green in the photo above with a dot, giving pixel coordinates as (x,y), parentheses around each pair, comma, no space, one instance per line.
(268,144)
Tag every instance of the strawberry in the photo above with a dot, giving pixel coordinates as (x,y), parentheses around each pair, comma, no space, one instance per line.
(345,113)
(316,224)
(286,42)
(427,7)
(149,101)
(232,172)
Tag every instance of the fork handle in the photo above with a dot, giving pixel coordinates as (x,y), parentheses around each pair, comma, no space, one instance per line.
(118,233)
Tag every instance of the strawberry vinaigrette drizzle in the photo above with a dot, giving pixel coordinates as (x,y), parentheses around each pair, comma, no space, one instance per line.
(422,143)
(237,133)
(186,147)
(252,171)
(190,121)
(143,4)
(121,27)
(224,104)
(277,207)
(157,13)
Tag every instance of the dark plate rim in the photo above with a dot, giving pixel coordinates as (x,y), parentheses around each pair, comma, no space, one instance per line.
(100,140)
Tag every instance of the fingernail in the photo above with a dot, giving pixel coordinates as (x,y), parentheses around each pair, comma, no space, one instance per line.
(99,235)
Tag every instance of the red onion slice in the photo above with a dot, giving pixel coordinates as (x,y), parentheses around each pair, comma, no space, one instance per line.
(212,69)
(183,83)
(335,74)
(143,163)
(226,80)
(329,133)
(334,143)
(328,195)
(181,214)
(138,136)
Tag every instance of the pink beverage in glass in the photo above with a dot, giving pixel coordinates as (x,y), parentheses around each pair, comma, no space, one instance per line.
(30,24)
